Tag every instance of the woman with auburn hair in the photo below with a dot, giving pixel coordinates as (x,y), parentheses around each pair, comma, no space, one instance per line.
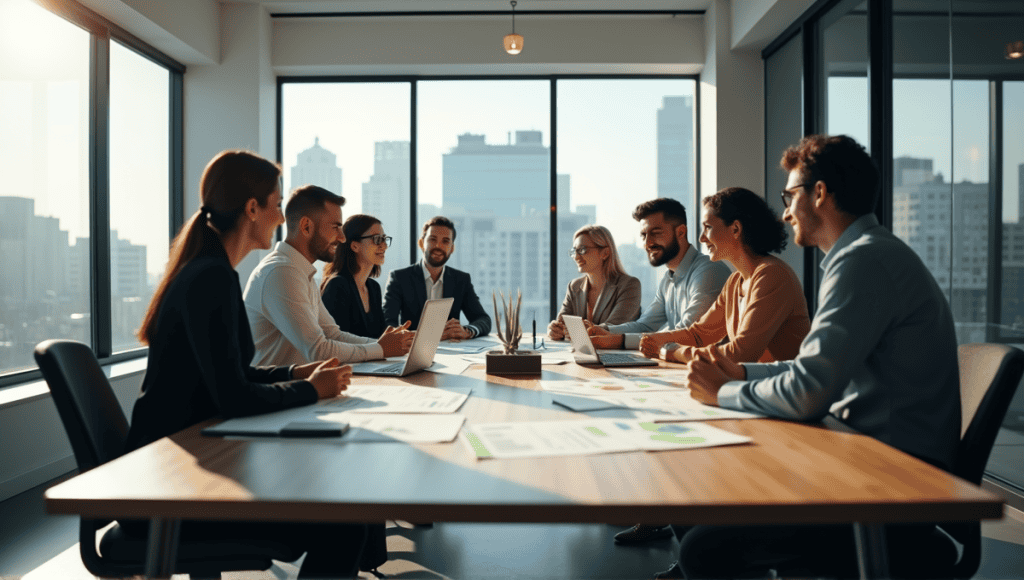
(200,346)
(605,292)
(349,292)
(761,309)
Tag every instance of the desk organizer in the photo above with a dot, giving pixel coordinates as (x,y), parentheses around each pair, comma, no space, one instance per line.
(521,362)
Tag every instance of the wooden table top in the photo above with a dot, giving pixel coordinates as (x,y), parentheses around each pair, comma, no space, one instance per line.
(791,473)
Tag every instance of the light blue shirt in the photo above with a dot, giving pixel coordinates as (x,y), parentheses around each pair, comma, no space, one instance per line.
(682,298)
(881,354)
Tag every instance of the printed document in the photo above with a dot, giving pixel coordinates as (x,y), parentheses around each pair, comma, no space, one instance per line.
(407,428)
(603,386)
(399,398)
(589,437)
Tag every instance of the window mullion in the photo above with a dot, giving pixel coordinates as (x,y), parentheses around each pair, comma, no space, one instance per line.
(99,194)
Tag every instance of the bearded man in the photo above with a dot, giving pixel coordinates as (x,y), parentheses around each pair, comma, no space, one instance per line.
(290,324)
(410,287)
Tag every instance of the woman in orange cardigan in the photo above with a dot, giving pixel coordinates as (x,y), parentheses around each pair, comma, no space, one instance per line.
(761,311)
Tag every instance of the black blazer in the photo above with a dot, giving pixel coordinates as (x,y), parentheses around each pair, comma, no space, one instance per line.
(406,293)
(341,297)
(199,357)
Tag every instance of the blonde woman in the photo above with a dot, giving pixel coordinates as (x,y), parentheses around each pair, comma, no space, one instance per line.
(605,292)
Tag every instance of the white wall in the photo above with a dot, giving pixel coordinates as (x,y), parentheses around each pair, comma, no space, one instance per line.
(33,445)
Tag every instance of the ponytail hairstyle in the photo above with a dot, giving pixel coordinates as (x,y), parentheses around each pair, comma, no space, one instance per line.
(345,259)
(229,181)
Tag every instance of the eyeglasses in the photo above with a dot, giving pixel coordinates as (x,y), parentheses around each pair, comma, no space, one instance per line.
(377,239)
(788,193)
(582,250)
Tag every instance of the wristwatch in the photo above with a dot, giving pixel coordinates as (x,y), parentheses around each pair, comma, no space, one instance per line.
(668,349)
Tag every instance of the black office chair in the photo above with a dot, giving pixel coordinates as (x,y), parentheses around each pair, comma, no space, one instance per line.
(989,375)
(97,429)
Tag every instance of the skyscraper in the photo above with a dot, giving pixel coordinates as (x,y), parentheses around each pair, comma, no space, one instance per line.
(509,180)
(386,197)
(317,166)
(675,154)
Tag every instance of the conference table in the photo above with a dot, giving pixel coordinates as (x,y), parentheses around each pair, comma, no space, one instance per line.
(790,473)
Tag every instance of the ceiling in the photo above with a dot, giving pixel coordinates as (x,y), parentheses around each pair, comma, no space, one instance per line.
(342,6)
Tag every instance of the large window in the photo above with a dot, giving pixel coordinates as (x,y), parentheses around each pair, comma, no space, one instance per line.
(482,153)
(352,139)
(952,102)
(87,158)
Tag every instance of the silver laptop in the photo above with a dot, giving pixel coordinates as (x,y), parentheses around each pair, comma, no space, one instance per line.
(424,344)
(586,353)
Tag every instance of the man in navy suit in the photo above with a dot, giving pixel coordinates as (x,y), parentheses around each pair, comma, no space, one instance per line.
(408,288)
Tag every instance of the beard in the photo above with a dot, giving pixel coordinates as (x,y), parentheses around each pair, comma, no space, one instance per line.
(321,249)
(435,260)
(667,254)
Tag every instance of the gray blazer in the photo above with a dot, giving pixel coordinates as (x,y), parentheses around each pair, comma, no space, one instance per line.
(619,301)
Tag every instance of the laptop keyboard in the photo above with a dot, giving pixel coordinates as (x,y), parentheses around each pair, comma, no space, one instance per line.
(614,358)
(392,369)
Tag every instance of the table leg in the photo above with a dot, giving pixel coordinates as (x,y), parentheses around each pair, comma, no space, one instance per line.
(872,555)
(162,550)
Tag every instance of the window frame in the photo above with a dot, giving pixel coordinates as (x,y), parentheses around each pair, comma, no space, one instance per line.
(102,32)
(554,292)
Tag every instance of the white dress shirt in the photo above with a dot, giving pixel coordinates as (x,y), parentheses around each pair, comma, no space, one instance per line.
(435,290)
(290,324)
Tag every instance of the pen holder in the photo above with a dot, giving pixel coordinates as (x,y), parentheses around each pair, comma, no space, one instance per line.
(521,362)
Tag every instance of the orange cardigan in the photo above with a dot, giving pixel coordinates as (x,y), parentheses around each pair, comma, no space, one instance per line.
(770,327)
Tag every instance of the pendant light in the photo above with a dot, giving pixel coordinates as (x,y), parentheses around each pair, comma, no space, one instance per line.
(1014,50)
(513,42)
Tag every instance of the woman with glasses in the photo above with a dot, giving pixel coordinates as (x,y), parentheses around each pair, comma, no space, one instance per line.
(761,314)
(605,292)
(350,294)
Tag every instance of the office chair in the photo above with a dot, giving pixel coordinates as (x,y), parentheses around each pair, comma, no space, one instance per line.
(97,429)
(989,375)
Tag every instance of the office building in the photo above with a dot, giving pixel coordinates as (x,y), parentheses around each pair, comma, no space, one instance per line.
(675,154)
(755,76)
(317,166)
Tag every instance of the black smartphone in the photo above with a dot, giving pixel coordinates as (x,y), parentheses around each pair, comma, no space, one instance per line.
(314,429)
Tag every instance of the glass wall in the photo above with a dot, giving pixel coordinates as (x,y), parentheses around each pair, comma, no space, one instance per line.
(353,140)
(483,157)
(92,162)
(484,161)
(646,147)
(139,187)
(44,196)
(957,119)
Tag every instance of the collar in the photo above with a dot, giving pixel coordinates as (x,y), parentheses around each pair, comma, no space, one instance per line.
(851,233)
(293,255)
(684,266)
(426,273)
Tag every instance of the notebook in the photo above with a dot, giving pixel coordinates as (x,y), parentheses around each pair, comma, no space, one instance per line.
(585,353)
(424,345)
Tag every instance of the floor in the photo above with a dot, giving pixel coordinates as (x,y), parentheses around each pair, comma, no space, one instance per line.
(34,546)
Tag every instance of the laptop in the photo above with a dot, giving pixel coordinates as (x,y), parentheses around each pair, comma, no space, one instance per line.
(424,344)
(585,353)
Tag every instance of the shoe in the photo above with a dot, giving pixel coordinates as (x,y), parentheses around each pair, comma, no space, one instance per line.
(640,534)
(675,572)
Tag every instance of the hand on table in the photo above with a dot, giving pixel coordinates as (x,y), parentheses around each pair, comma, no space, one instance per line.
(594,330)
(453,330)
(329,378)
(650,344)
(396,341)
(607,340)
(709,370)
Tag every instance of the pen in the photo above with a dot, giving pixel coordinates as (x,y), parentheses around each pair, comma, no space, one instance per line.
(534,334)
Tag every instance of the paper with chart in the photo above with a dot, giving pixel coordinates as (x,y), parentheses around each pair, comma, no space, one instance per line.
(673,377)
(602,386)
(397,398)
(589,437)
(407,428)
(446,364)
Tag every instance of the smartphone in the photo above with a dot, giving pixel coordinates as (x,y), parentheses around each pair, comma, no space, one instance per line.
(314,429)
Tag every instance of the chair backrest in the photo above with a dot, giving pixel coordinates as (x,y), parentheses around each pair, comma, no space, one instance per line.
(90,412)
(989,375)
